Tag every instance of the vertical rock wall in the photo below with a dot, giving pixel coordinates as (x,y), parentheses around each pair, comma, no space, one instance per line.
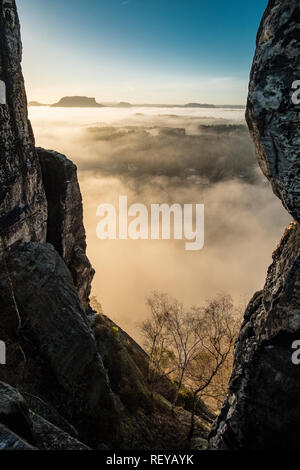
(23,207)
(44,287)
(26,196)
(65,229)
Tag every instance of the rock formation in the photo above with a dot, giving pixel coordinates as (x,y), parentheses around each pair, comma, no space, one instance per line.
(51,349)
(262,409)
(65,230)
(23,208)
(272,116)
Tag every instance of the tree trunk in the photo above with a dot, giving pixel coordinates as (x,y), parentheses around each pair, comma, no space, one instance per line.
(192,428)
(177,391)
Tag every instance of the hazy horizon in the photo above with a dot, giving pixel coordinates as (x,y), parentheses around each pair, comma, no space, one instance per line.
(116,102)
(141,52)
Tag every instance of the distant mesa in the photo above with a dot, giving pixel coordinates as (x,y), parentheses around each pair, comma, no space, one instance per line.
(35,103)
(224,106)
(77,102)
(71,102)
(199,105)
(124,104)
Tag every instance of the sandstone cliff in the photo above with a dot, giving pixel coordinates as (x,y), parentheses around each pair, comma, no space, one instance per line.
(23,208)
(262,407)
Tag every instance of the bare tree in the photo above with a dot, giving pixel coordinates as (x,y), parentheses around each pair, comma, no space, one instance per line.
(192,346)
(183,326)
(171,339)
(155,334)
(209,370)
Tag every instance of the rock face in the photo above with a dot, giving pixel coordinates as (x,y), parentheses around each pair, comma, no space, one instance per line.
(262,408)
(272,116)
(11,441)
(23,208)
(23,203)
(14,413)
(77,102)
(65,228)
(50,348)
(22,429)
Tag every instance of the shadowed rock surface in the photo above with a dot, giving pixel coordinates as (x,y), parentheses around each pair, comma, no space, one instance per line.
(14,413)
(51,350)
(272,117)
(11,441)
(22,429)
(23,208)
(59,358)
(65,228)
(49,437)
(262,408)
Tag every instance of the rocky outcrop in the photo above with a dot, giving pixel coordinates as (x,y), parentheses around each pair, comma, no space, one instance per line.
(262,409)
(11,441)
(44,287)
(49,437)
(272,116)
(14,413)
(65,229)
(23,429)
(51,346)
(23,209)
(23,202)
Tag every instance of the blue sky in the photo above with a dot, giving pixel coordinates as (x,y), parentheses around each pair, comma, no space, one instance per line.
(158,51)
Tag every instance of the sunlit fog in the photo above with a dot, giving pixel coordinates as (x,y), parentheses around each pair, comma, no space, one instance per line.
(169,155)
